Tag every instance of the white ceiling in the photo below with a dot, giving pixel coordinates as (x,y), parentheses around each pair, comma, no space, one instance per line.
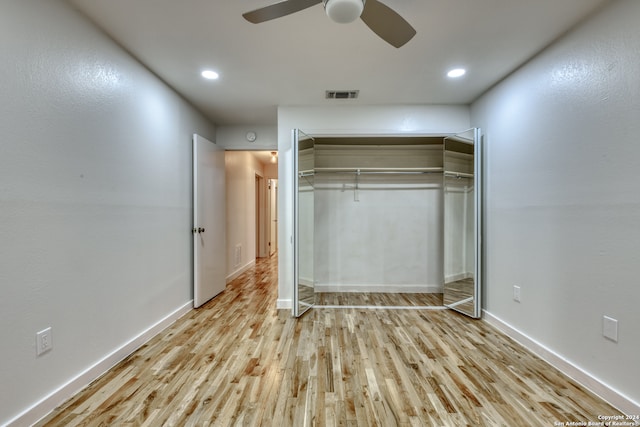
(294,59)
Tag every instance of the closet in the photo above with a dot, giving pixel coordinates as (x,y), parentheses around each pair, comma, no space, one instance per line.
(370,221)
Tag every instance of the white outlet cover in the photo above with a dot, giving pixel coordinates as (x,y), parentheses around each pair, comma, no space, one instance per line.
(44,341)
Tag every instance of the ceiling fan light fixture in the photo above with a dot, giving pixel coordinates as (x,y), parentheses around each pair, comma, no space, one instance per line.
(344,11)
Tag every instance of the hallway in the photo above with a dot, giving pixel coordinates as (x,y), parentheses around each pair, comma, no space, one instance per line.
(239,361)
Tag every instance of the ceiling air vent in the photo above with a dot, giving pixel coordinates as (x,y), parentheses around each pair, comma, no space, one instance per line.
(341,94)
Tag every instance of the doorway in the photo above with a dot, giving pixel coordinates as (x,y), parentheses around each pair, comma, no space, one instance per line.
(368,221)
(266,216)
(248,174)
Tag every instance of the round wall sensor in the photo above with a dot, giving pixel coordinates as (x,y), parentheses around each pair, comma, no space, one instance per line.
(251,136)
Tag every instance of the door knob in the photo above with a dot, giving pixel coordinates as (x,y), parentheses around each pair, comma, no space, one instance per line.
(200,230)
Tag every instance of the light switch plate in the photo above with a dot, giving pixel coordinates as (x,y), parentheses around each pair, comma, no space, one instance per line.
(610,328)
(516,293)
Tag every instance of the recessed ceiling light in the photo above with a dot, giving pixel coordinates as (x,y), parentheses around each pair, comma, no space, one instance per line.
(456,72)
(211,75)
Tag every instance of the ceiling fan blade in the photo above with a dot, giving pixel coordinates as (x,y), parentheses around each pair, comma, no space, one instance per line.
(386,23)
(278,9)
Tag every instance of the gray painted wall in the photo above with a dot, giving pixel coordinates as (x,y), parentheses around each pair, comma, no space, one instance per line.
(95,194)
(95,198)
(562,200)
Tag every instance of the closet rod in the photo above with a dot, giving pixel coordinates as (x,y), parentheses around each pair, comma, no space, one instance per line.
(458,174)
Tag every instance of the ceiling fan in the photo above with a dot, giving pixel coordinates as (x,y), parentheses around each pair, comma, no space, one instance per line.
(381,19)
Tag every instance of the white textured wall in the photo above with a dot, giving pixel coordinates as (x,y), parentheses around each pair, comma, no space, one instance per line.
(390,240)
(95,198)
(562,199)
(348,121)
(271,171)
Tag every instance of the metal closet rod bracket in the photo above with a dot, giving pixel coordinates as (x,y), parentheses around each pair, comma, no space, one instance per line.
(356,195)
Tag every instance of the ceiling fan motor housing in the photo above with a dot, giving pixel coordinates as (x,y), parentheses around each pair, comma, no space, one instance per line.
(344,11)
(380,18)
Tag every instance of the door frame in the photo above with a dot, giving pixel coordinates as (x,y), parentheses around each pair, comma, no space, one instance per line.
(478,202)
(272,215)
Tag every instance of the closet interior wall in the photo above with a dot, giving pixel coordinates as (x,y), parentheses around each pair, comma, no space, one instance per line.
(378,215)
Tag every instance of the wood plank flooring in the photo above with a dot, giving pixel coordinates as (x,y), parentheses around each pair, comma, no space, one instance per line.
(379,299)
(239,362)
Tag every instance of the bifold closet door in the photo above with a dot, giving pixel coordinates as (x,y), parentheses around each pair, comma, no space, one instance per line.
(303,226)
(462,222)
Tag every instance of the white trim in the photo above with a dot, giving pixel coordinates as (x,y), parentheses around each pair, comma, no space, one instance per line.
(600,388)
(457,303)
(387,307)
(240,270)
(458,276)
(284,304)
(378,288)
(43,407)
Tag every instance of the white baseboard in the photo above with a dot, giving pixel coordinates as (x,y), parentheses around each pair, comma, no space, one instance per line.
(284,304)
(378,288)
(456,277)
(609,394)
(43,407)
(240,270)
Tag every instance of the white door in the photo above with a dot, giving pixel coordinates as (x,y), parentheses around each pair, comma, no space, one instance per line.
(209,221)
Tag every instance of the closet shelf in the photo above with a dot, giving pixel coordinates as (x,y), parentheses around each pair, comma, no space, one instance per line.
(369,170)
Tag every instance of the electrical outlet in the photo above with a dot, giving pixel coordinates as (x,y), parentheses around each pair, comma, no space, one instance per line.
(610,328)
(516,293)
(44,341)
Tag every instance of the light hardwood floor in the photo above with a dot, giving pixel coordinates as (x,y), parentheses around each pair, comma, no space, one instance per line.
(379,299)
(238,361)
